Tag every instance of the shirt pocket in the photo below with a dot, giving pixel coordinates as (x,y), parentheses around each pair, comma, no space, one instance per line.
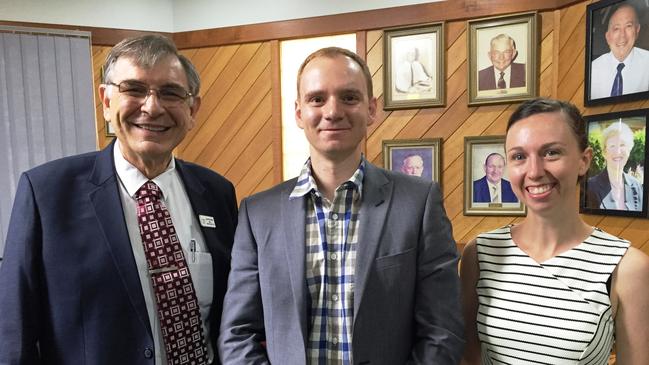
(200,268)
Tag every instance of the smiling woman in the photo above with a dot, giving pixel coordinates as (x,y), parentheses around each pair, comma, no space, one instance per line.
(570,288)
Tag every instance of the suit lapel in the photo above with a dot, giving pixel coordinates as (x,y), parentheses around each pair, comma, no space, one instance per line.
(294,217)
(109,211)
(377,193)
(201,205)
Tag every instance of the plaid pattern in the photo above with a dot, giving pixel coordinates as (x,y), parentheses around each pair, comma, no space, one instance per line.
(331,233)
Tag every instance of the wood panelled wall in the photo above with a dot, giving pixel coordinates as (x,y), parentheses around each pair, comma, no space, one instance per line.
(236,129)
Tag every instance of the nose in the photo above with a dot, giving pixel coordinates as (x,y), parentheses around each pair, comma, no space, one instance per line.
(536,169)
(332,109)
(151,103)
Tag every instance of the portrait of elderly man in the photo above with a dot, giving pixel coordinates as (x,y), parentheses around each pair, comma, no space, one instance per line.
(412,76)
(504,73)
(613,188)
(413,164)
(625,68)
(493,188)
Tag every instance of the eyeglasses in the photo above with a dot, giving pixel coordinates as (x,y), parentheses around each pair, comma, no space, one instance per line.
(138,92)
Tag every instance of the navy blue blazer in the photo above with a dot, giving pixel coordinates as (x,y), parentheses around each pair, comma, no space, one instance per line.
(481,191)
(71,293)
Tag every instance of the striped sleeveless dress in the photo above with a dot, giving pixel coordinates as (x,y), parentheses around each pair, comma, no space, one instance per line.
(555,312)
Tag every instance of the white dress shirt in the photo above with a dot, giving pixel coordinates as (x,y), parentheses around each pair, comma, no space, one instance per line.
(635,74)
(200,261)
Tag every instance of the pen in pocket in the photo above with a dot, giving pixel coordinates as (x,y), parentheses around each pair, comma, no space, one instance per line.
(192,249)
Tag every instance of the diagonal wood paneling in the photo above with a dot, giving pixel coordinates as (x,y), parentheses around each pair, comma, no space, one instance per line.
(236,136)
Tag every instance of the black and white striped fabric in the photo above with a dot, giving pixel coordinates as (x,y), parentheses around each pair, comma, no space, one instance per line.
(555,312)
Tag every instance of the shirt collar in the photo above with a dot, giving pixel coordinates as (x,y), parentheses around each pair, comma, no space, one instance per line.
(132,179)
(497,186)
(306,183)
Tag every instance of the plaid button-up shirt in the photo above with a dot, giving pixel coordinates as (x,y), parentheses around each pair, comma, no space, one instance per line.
(331,239)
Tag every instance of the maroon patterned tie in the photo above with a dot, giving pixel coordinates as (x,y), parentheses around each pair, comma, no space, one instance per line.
(178,310)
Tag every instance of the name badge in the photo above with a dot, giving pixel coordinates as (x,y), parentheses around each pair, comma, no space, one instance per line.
(207,221)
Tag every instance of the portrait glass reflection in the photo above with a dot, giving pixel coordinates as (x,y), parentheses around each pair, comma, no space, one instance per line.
(615,183)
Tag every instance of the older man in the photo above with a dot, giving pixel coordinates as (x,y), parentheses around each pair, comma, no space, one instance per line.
(504,73)
(413,165)
(493,188)
(348,263)
(121,256)
(625,69)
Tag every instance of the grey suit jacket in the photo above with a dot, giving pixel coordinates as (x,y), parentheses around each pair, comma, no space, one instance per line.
(406,295)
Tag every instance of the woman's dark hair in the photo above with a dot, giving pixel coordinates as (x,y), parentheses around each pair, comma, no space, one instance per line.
(571,115)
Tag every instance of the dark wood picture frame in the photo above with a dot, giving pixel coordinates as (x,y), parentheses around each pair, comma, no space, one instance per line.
(613,131)
(601,62)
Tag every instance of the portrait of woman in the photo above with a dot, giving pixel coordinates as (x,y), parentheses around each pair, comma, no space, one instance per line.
(613,188)
(552,289)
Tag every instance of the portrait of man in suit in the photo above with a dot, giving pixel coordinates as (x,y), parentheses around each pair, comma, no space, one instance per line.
(503,73)
(624,69)
(346,263)
(121,256)
(412,76)
(493,188)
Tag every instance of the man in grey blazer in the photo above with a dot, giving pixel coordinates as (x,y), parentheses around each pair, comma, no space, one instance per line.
(347,263)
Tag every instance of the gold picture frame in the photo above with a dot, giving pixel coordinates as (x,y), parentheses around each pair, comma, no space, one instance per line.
(480,156)
(419,157)
(507,42)
(414,68)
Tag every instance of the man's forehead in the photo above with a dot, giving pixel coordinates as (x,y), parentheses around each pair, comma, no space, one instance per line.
(501,43)
(317,69)
(494,159)
(622,15)
(166,69)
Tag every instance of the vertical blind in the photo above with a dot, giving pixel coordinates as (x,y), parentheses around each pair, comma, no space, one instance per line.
(46,103)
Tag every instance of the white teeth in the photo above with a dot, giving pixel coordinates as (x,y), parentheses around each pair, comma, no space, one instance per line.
(152,128)
(538,189)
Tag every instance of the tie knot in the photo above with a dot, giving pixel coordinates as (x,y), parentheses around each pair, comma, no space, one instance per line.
(620,66)
(148,189)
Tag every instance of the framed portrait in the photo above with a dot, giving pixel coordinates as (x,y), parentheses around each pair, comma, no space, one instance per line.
(617,51)
(108,130)
(414,75)
(615,183)
(487,190)
(418,157)
(503,57)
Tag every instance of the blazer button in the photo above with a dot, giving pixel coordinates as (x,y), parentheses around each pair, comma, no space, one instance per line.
(148,352)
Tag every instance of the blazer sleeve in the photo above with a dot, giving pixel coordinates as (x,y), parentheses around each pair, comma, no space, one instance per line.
(19,280)
(242,324)
(439,328)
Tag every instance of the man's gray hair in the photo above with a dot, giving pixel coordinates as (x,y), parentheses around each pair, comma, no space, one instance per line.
(503,37)
(146,51)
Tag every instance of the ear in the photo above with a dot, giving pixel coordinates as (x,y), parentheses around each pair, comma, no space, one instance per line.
(586,158)
(298,115)
(372,111)
(193,110)
(104,96)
